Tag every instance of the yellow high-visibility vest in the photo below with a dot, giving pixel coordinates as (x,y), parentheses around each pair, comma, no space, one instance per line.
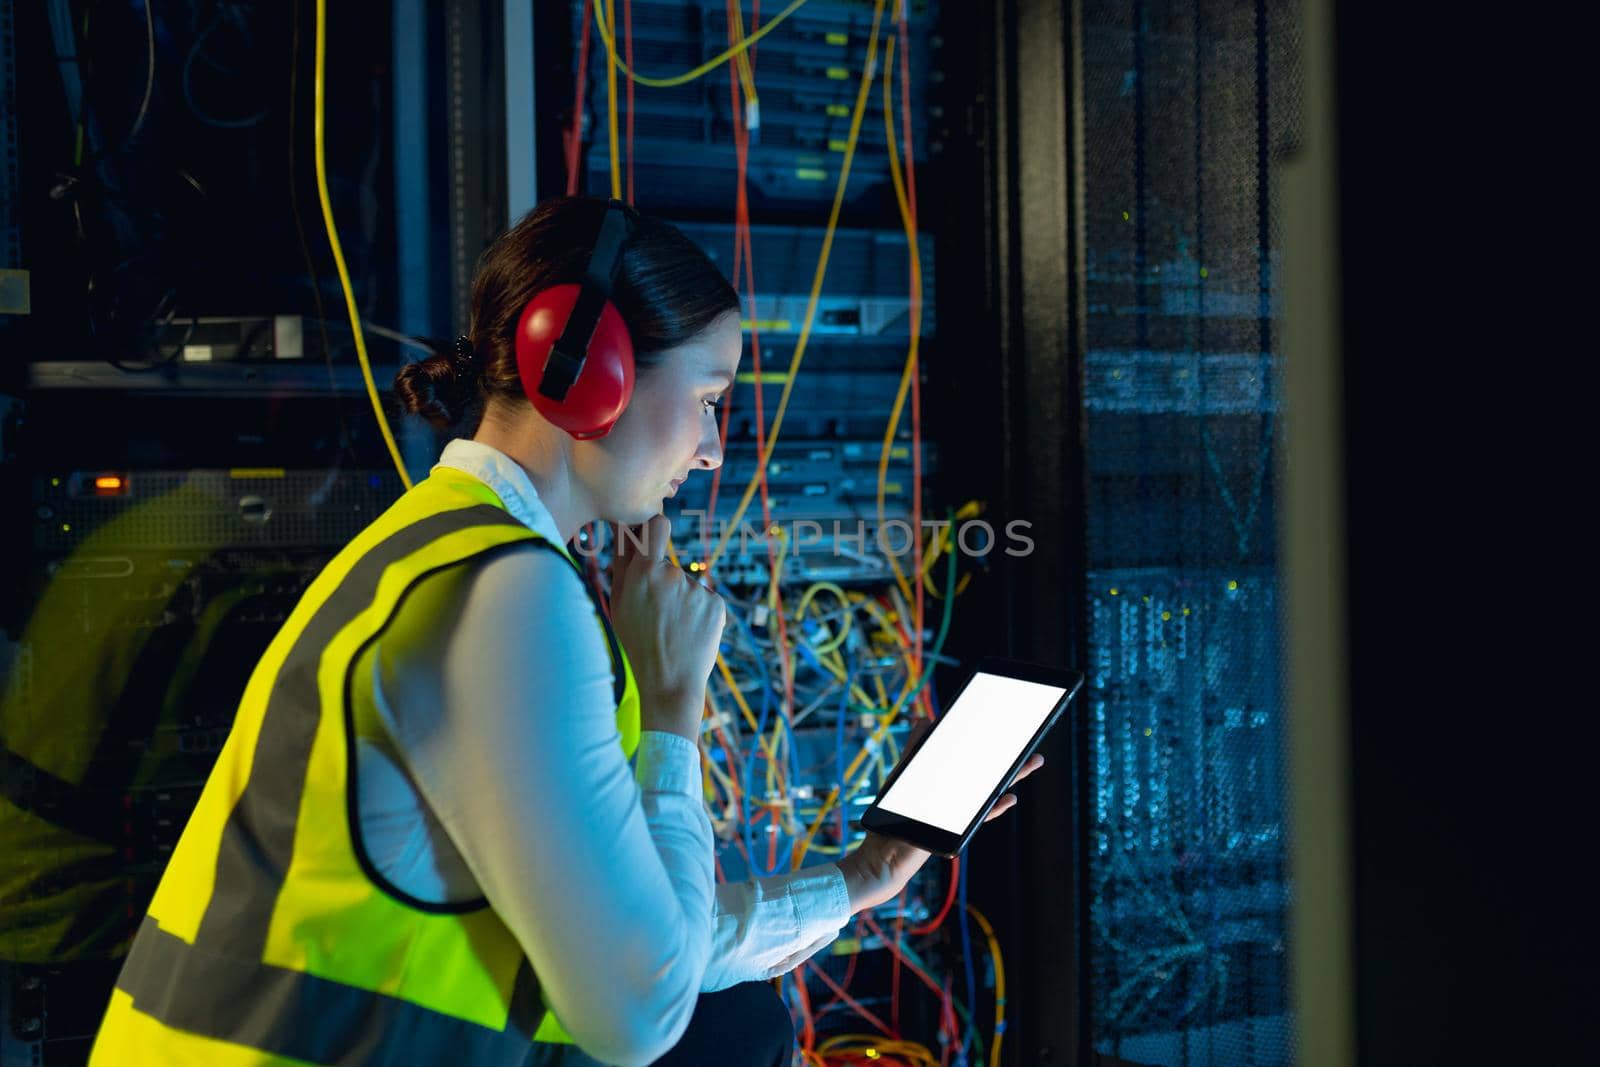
(270,938)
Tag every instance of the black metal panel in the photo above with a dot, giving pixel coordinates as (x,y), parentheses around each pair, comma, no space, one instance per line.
(474,89)
(1033,200)
(1187,107)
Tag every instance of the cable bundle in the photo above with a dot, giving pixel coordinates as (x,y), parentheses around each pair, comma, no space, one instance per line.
(843,663)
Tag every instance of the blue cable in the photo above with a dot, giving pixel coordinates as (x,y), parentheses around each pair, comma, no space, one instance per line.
(744,790)
(785,841)
(838,751)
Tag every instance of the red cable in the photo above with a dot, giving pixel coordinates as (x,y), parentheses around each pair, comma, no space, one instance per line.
(916,311)
(849,973)
(742,234)
(854,1004)
(949,899)
(808,1031)
(905,114)
(916,475)
(916,372)
(918,971)
(574,137)
(923,701)
(743,251)
(894,984)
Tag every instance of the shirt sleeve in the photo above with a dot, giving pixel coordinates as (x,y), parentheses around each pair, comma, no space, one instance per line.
(603,873)
(769,926)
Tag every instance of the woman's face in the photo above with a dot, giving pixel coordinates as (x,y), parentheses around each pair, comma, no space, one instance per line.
(670,426)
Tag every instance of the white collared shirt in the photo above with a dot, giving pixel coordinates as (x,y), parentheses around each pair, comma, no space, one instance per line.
(502,777)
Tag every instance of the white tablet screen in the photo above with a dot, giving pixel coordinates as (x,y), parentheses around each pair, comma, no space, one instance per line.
(970,750)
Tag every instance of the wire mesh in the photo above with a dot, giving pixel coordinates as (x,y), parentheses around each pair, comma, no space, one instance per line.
(1187,106)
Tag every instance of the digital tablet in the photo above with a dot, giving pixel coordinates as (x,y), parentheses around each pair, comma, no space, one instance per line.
(937,798)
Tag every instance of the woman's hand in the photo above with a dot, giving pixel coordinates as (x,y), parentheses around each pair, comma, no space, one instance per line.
(881,866)
(670,626)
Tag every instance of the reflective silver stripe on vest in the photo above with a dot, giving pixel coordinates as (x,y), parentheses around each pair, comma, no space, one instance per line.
(292,1013)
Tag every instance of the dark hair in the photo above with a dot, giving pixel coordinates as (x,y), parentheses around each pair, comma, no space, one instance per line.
(667,290)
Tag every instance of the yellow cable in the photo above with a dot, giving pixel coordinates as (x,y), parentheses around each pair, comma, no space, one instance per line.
(816,283)
(705,750)
(747,77)
(999,986)
(713,771)
(830,662)
(912,355)
(744,707)
(903,609)
(834,664)
(740,48)
(789,662)
(883,697)
(941,543)
(878,735)
(946,539)
(916,313)
(729,786)
(947,542)
(849,773)
(880,1045)
(338,252)
(777,567)
(906,650)
(863,90)
(611,99)
(771,747)
(849,615)
(703,69)
(889,629)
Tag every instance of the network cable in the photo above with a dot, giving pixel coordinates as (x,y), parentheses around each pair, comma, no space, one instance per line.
(703,69)
(319,126)
(807,650)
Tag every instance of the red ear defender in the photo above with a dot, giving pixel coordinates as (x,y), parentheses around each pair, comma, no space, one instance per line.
(604,384)
(574,355)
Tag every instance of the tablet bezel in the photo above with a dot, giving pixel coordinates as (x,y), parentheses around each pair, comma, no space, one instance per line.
(942,842)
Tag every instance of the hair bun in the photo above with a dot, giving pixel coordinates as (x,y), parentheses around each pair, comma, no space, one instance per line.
(462,359)
(441,387)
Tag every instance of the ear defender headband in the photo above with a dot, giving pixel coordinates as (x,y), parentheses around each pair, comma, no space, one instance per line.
(574,355)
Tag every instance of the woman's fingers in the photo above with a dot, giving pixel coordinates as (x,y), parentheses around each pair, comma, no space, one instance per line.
(1006,802)
(1034,762)
(657,530)
(629,545)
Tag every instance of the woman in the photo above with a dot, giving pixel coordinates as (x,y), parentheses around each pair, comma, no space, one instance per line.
(424,839)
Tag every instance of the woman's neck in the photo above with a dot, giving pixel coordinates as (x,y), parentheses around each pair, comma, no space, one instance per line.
(544,453)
